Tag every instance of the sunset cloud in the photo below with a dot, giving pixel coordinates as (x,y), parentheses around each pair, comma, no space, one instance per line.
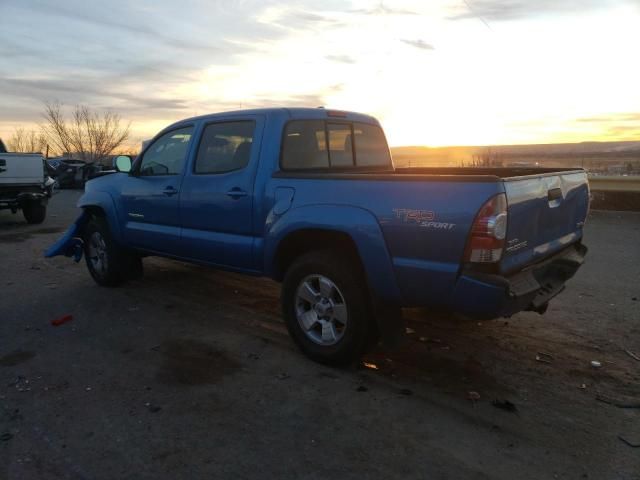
(430,71)
(421,44)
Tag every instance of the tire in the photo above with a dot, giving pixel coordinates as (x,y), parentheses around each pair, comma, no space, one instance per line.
(326,307)
(109,264)
(34,212)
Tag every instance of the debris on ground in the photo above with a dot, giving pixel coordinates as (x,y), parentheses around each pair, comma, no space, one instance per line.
(21,383)
(5,437)
(410,330)
(596,364)
(617,402)
(423,339)
(632,443)
(405,391)
(59,321)
(362,388)
(582,386)
(253,356)
(152,408)
(505,405)
(283,376)
(632,355)
(545,357)
(371,366)
(473,396)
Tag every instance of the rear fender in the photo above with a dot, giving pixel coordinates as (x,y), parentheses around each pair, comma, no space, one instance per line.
(363,228)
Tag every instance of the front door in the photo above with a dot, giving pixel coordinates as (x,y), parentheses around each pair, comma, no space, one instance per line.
(217,194)
(151,194)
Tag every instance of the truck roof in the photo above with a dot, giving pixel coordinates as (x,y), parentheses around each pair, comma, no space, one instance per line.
(286,112)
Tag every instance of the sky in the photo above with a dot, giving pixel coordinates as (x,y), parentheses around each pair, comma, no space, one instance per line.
(468,72)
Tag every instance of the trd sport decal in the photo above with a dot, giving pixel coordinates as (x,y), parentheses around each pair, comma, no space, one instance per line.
(423,218)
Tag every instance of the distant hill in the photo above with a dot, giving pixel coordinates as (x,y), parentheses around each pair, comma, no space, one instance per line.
(556,154)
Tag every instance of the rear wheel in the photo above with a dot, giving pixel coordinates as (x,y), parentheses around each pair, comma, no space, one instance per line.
(109,264)
(325,304)
(34,212)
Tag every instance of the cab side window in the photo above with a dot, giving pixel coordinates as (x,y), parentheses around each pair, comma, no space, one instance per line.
(225,147)
(166,156)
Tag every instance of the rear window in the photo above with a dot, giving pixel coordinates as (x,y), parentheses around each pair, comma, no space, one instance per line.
(371,146)
(349,144)
(304,145)
(340,145)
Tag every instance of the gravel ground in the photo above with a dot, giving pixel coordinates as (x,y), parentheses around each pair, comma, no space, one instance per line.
(189,373)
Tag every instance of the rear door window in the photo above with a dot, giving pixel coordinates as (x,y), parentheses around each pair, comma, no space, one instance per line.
(225,147)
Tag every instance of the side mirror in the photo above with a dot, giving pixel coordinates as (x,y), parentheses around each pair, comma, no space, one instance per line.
(122,163)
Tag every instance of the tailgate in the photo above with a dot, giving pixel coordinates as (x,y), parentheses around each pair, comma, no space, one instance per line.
(21,169)
(546,213)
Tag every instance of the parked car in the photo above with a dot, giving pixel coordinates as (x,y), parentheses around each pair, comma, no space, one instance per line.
(311,198)
(71,172)
(24,185)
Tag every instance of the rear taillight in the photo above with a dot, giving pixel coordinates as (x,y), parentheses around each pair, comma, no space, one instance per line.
(486,240)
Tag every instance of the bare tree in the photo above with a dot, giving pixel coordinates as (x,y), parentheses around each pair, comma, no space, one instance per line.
(26,141)
(88,135)
(487,157)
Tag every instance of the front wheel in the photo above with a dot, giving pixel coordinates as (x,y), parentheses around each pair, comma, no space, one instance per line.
(108,263)
(325,304)
(34,212)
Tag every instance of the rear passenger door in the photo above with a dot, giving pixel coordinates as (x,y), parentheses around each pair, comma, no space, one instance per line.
(217,194)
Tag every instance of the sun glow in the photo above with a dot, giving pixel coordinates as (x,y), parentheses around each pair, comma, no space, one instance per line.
(432,72)
(464,84)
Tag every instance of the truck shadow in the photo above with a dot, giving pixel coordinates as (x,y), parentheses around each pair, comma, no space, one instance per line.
(15,235)
(443,354)
(497,359)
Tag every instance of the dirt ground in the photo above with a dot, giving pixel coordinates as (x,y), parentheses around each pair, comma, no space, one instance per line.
(189,373)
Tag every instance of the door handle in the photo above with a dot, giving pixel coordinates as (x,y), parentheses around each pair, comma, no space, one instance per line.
(169,191)
(554,194)
(554,197)
(237,193)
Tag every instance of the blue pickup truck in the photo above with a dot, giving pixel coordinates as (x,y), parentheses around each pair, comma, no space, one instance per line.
(311,198)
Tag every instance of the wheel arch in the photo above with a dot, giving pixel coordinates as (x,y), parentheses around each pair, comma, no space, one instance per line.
(101,204)
(346,228)
(304,240)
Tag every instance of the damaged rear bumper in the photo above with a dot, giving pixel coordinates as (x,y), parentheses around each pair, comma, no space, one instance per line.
(70,244)
(488,296)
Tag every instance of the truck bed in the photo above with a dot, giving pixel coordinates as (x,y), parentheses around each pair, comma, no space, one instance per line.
(458,174)
(497,172)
